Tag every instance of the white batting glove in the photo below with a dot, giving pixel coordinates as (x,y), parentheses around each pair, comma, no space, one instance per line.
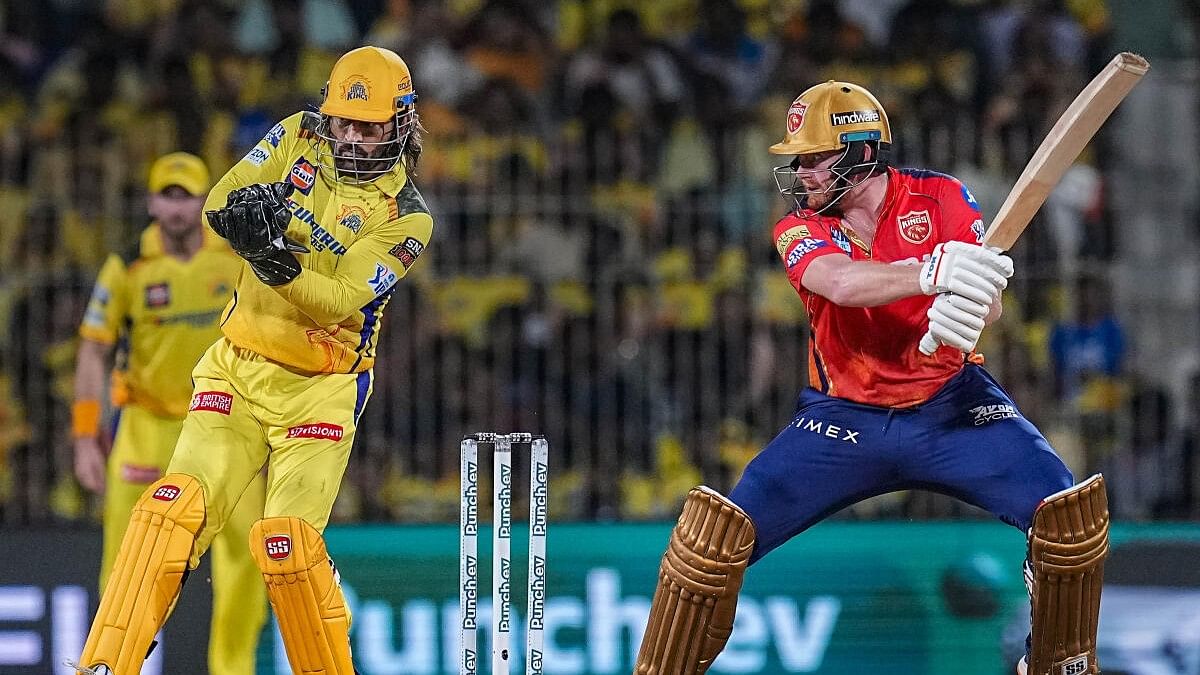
(973,272)
(954,321)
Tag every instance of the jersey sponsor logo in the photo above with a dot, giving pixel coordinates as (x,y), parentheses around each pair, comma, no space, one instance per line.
(915,226)
(257,156)
(977,228)
(407,251)
(351,218)
(795,115)
(193,319)
(789,235)
(167,493)
(278,546)
(275,135)
(303,175)
(384,279)
(840,239)
(212,401)
(158,295)
(319,430)
(320,238)
(991,413)
(823,428)
(802,249)
(838,119)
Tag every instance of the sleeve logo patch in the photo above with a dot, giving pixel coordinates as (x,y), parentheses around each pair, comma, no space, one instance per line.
(915,226)
(158,295)
(303,175)
(278,546)
(802,249)
(789,235)
(407,251)
(319,430)
(275,135)
(384,279)
(212,401)
(977,228)
(257,156)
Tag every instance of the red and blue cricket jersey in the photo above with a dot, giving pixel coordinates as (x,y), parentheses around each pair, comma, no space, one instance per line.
(879,416)
(869,354)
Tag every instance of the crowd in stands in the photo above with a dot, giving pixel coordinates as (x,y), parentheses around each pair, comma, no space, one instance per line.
(601,270)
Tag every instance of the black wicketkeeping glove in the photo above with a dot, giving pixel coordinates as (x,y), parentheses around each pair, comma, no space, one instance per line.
(254,221)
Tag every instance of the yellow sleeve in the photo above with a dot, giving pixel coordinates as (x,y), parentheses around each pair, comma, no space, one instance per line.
(266,162)
(109,305)
(370,267)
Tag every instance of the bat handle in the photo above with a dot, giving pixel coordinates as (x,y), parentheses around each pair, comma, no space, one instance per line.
(928,344)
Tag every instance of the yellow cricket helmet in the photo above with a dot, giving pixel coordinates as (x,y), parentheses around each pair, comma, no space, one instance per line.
(830,115)
(369,84)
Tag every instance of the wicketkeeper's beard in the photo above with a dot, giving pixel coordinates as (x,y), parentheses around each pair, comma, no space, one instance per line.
(357,161)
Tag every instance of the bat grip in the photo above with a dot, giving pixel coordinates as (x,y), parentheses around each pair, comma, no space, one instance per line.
(928,344)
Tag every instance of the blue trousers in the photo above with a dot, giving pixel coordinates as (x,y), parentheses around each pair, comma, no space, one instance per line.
(968,441)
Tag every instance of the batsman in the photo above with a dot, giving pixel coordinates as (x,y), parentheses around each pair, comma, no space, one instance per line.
(327,220)
(879,255)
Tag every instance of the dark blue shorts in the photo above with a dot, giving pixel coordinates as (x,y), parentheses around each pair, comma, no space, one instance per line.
(969,441)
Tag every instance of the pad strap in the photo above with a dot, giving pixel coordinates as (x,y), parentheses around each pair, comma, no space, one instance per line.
(698,583)
(305,593)
(1067,546)
(149,570)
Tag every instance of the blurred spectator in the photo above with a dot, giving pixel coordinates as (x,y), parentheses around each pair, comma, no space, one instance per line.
(721,49)
(1089,350)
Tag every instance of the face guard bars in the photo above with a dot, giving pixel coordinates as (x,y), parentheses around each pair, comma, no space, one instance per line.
(788,176)
(364,169)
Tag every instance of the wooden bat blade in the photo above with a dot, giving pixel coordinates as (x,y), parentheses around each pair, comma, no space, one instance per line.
(1062,146)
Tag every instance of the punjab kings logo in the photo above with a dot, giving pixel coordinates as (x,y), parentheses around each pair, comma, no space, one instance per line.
(212,401)
(320,431)
(795,116)
(915,226)
(278,546)
(166,493)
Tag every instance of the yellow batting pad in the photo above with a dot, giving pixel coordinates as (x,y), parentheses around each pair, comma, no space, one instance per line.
(305,594)
(146,577)
(691,616)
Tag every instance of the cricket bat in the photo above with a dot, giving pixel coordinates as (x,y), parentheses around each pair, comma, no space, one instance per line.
(1058,151)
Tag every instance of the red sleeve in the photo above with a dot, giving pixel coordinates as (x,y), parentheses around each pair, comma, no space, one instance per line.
(961,217)
(801,240)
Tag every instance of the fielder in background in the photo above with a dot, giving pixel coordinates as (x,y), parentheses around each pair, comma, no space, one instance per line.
(326,217)
(878,255)
(160,303)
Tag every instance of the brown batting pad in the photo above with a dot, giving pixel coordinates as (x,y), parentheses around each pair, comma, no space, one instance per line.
(1067,546)
(305,593)
(147,574)
(698,583)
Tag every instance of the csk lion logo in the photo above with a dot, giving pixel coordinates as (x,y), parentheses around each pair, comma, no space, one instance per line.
(352,218)
(356,87)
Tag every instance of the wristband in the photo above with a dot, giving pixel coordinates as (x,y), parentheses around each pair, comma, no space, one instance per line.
(85,418)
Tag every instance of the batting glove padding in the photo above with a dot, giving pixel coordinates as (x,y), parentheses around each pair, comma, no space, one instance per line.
(954,321)
(974,272)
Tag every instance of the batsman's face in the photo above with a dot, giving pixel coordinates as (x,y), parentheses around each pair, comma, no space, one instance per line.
(176,210)
(813,173)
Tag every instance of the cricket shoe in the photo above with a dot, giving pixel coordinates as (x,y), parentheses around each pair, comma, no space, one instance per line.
(1022,667)
(84,670)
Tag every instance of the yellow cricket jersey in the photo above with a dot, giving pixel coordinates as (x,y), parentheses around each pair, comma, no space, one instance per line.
(361,238)
(167,311)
